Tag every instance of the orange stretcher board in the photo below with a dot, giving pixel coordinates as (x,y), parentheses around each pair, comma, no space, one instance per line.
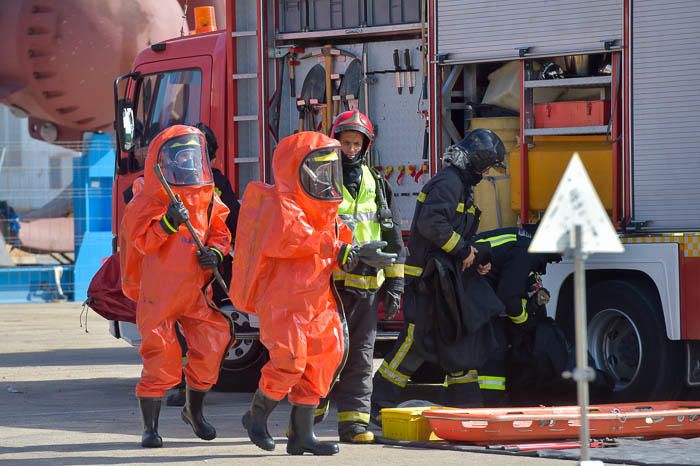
(498,425)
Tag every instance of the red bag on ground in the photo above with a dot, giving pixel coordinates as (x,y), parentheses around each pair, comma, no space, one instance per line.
(105,294)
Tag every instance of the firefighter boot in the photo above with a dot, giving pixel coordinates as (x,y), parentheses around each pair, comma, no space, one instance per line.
(192,414)
(355,432)
(301,436)
(255,421)
(150,409)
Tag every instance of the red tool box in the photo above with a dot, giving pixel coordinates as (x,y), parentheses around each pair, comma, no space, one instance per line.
(575,113)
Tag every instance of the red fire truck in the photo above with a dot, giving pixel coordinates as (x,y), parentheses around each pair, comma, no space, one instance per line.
(614,80)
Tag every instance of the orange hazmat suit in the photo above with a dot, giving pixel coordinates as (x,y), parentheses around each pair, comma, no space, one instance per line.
(162,274)
(287,244)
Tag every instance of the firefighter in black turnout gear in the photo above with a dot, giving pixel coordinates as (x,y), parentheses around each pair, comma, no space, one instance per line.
(443,227)
(366,209)
(515,277)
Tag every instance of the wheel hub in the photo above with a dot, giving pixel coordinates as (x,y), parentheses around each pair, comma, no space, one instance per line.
(615,345)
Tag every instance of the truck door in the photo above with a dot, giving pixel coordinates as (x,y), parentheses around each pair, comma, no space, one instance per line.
(665,117)
(166,93)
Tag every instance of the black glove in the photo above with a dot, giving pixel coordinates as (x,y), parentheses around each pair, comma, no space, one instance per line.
(520,335)
(177,214)
(392,303)
(372,255)
(542,297)
(483,254)
(209,258)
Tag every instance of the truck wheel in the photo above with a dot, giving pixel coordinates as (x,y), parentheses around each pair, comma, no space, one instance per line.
(627,340)
(240,371)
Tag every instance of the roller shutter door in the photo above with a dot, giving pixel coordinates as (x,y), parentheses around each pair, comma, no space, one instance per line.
(666,113)
(479,30)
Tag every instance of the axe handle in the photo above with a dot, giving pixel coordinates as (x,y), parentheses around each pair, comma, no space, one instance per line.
(292,80)
(202,248)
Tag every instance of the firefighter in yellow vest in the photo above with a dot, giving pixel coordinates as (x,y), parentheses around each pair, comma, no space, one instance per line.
(366,209)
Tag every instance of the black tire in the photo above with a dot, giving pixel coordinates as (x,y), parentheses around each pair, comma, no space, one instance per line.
(627,340)
(240,371)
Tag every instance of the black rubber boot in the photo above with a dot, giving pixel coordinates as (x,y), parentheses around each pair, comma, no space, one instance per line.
(150,410)
(177,398)
(302,439)
(255,421)
(192,415)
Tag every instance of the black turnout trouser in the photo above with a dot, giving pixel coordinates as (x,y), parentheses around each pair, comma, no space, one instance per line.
(400,363)
(481,385)
(353,389)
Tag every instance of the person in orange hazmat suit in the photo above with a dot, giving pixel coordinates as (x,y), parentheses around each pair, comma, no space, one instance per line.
(160,256)
(289,241)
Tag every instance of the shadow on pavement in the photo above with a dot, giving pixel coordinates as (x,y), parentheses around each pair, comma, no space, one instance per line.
(72,357)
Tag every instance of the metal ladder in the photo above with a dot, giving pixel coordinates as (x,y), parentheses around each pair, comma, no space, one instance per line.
(247,93)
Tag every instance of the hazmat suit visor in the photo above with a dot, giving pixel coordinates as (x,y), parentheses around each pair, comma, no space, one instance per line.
(321,175)
(184,161)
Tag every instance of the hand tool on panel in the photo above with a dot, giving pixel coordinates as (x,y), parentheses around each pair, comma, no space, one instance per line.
(409,72)
(398,76)
(293,62)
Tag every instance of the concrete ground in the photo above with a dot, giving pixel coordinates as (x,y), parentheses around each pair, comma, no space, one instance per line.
(67,397)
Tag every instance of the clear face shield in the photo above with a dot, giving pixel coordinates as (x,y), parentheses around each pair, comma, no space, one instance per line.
(321,174)
(184,161)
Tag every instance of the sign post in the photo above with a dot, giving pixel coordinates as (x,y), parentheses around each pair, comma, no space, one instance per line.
(576,225)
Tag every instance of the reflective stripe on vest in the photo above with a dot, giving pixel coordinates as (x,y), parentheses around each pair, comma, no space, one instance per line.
(362,212)
(363,209)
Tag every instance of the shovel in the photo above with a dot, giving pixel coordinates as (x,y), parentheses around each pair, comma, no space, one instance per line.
(313,92)
(350,85)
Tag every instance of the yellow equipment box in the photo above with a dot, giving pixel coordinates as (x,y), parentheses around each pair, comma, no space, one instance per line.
(406,424)
(547,160)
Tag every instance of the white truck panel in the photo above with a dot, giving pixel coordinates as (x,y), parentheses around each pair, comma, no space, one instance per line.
(658,260)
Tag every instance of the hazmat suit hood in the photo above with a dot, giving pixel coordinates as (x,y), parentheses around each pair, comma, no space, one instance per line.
(191,194)
(152,202)
(287,163)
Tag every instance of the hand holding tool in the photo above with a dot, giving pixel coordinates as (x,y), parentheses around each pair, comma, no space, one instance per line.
(202,249)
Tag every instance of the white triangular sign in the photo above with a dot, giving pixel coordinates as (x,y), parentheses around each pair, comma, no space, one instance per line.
(575,202)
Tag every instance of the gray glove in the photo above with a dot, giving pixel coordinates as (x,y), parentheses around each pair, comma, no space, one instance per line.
(349,261)
(372,255)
